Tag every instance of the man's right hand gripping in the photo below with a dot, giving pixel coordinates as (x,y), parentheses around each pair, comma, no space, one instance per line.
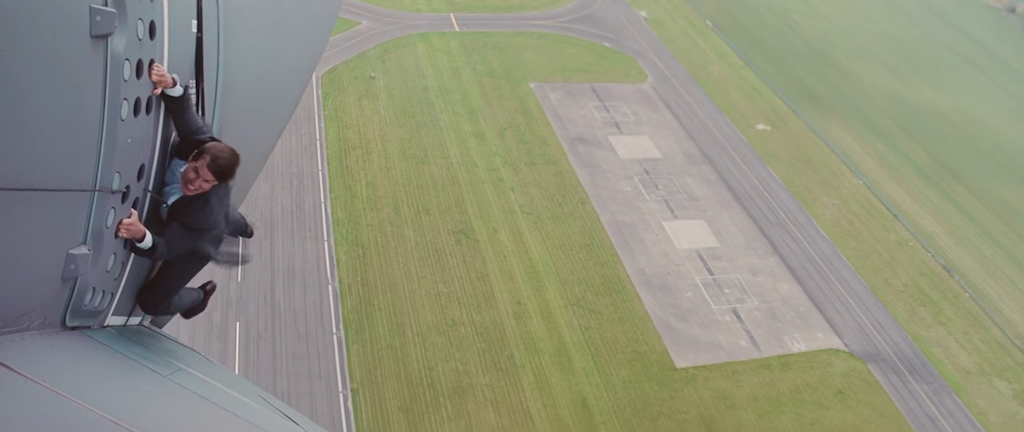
(131,228)
(161,78)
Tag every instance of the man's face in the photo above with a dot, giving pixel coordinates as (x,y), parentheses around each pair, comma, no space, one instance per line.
(196,178)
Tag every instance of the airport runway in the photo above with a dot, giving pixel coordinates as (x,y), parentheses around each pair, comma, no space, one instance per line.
(286,342)
(274,321)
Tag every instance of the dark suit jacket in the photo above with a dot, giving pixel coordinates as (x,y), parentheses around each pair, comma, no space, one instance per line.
(195,225)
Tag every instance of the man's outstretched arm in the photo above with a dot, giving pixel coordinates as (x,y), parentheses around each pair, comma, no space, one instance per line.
(190,127)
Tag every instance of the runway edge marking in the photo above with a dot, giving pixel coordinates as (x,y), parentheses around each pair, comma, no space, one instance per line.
(335,323)
(454,23)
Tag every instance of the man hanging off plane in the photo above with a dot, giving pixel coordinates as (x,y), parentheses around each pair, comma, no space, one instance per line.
(196,214)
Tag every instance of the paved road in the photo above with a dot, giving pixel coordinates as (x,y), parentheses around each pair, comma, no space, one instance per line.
(274,321)
(286,345)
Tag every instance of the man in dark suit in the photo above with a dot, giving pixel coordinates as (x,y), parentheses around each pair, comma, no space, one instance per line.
(196,213)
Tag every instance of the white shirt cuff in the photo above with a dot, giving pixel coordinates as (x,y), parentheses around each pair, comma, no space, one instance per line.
(146,243)
(175,91)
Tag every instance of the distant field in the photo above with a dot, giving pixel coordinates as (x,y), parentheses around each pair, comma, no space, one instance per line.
(341,25)
(932,123)
(927,99)
(479,290)
(449,6)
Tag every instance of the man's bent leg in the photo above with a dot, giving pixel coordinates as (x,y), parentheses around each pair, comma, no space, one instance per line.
(165,293)
(238,226)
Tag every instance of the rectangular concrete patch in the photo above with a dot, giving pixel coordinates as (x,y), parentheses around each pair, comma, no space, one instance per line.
(714,288)
(634,147)
(691,234)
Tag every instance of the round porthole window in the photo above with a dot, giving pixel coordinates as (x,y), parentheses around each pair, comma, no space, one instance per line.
(110,217)
(126,71)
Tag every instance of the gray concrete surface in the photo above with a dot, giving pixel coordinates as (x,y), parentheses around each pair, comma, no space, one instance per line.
(272,319)
(713,286)
(846,303)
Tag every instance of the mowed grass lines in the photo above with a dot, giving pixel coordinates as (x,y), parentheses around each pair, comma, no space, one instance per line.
(466,6)
(981,365)
(479,290)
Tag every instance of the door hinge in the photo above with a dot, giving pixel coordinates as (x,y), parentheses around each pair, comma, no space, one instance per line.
(76,262)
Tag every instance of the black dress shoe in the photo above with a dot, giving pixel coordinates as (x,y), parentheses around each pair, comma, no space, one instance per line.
(247,232)
(208,289)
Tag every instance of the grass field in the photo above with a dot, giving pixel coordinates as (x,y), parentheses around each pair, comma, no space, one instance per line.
(927,99)
(467,6)
(341,25)
(910,129)
(479,290)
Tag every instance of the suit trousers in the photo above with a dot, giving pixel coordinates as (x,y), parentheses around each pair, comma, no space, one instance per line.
(166,293)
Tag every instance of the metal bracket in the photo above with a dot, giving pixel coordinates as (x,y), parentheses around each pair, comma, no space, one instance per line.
(76,262)
(102,21)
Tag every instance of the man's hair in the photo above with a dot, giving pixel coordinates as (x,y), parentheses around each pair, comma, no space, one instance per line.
(224,160)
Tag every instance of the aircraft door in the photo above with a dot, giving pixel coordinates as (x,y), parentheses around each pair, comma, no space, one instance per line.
(131,127)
